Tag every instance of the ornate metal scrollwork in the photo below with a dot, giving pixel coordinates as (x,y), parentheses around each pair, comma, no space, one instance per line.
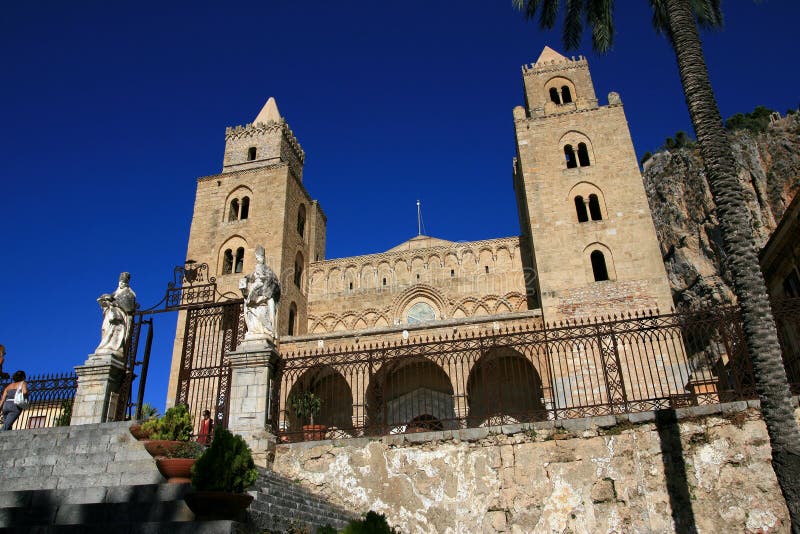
(191,285)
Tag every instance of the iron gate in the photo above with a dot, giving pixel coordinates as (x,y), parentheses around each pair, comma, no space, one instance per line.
(204,379)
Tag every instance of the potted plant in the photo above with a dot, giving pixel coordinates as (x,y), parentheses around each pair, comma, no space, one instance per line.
(220,476)
(176,465)
(148,412)
(167,432)
(306,405)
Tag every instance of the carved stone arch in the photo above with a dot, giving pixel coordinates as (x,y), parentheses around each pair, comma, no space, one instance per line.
(504,257)
(349,319)
(467,305)
(486,258)
(434,260)
(401,270)
(585,190)
(317,282)
(237,193)
(574,138)
(607,257)
(335,280)
(233,243)
(469,261)
(333,390)
(419,271)
(315,325)
(367,276)
(350,277)
(417,293)
(517,300)
(558,83)
(385,272)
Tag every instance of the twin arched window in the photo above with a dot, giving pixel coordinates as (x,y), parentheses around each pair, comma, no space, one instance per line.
(593,208)
(582,158)
(239,210)
(231,264)
(562,97)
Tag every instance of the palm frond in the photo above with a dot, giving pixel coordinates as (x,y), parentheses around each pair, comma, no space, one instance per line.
(573,25)
(548,14)
(660,17)
(600,16)
(708,13)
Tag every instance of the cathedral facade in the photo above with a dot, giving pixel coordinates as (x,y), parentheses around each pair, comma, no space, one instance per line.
(587,245)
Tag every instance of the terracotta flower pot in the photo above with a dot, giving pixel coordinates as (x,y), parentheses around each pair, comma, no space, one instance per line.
(176,470)
(218,504)
(314,432)
(161,447)
(139,433)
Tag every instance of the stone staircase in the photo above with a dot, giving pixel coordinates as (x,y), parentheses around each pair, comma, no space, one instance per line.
(98,478)
(281,504)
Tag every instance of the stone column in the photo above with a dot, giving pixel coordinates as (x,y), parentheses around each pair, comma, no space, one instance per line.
(99,381)
(252,383)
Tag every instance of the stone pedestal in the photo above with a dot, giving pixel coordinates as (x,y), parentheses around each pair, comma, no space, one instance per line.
(252,383)
(99,381)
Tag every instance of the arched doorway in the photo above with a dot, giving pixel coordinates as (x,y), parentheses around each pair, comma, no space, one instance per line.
(408,395)
(504,387)
(337,401)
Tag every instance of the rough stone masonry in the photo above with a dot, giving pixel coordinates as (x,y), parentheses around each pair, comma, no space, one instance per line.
(637,473)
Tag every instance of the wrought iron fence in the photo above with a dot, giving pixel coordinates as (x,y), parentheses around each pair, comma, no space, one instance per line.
(51,397)
(615,365)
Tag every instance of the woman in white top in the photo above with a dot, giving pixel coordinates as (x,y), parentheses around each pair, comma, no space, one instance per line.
(10,410)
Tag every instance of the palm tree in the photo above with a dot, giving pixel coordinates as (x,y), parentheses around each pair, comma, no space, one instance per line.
(679,20)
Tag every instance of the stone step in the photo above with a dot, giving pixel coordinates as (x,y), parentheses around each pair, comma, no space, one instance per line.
(97,513)
(318,508)
(102,494)
(189,527)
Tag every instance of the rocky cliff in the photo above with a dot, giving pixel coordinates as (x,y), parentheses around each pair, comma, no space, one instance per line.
(768,164)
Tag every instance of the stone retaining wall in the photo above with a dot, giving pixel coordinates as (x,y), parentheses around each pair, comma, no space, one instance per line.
(649,472)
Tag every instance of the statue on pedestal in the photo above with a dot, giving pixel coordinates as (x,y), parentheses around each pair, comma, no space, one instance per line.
(118,308)
(262,292)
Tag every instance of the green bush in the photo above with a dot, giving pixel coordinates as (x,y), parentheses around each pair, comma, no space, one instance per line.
(187,449)
(373,523)
(755,121)
(65,416)
(176,424)
(647,155)
(227,465)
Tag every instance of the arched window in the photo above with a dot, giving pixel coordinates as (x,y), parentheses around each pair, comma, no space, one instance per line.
(298,270)
(251,153)
(292,318)
(583,155)
(245,211)
(569,155)
(384,281)
(594,208)
(233,212)
(599,266)
(566,96)
(239,266)
(301,220)
(580,208)
(227,262)
(554,96)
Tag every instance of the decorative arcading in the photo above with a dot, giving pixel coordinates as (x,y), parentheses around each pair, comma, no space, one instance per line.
(459,247)
(250,130)
(352,320)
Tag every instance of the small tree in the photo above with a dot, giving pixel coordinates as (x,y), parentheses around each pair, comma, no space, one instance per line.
(306,405)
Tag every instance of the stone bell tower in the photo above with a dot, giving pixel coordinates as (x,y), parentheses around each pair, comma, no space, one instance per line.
(257,199)
(581,200)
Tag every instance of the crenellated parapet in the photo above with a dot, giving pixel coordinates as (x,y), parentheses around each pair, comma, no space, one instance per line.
(271,127)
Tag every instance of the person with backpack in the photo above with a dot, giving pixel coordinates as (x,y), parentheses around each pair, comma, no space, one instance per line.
(14,399)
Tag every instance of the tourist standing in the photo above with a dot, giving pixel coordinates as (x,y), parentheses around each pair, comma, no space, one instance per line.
(10,409)
(206,429)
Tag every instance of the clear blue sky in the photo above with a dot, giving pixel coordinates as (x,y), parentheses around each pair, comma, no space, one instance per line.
(111,110)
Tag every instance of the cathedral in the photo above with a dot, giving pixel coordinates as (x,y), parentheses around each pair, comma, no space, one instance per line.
(586,248)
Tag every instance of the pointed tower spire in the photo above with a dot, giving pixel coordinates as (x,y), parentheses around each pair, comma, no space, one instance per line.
(548,54)
(268,113)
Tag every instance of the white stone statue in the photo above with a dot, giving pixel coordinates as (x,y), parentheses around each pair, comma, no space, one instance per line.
(262,292)
(118,308)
